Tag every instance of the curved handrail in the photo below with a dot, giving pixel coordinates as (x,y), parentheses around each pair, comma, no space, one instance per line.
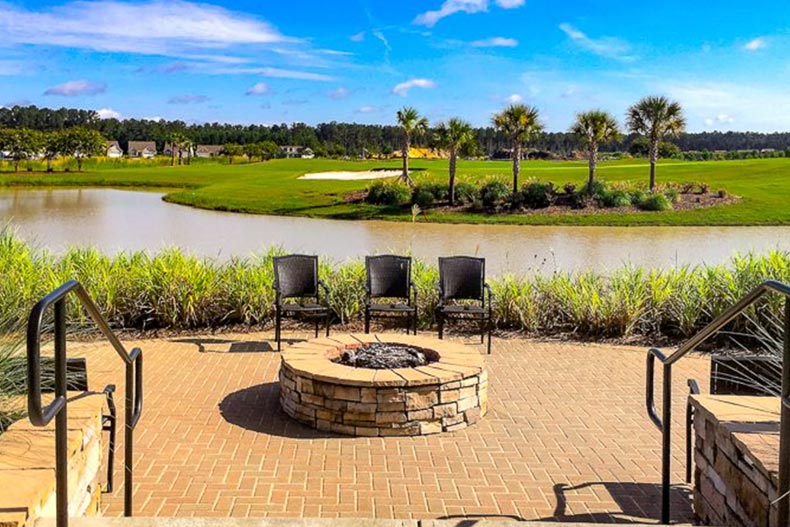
(41,416)
(663,423)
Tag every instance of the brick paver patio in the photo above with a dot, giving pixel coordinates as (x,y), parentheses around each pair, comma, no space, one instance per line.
(566,438)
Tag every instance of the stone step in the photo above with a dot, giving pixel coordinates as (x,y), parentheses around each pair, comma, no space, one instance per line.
(307,522)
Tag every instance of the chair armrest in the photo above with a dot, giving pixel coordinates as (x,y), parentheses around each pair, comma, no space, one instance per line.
(440,292)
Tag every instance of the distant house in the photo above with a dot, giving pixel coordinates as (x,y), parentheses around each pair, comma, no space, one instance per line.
(144,149)
(307,153)
(208,150)
(114,149)
(291,151)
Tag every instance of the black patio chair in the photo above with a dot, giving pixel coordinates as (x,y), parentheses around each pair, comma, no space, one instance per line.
(749,375)
(296,276)
(389,277)
(464,278)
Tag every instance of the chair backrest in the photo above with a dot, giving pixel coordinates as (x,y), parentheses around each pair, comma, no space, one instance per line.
(388,276)
(296,275)
(462,277)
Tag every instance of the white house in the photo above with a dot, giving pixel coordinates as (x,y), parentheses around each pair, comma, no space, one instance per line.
(114,149)
(291,151)
(307,153)
(208,150)
(144,149)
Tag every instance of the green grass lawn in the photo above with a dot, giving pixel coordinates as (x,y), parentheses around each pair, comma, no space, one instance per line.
(273,188)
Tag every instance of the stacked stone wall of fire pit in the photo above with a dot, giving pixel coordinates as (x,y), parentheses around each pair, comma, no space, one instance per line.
(446,395)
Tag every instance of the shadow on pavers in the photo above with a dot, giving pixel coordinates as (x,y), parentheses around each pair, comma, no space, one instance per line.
(215,345)
(257,408)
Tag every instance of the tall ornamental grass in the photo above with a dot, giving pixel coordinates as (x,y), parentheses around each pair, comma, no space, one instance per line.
(173,289)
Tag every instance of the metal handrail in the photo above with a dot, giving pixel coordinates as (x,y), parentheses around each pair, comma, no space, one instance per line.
(664,423)
(58,408)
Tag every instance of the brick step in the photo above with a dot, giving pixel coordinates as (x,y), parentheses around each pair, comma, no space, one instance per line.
(307,522)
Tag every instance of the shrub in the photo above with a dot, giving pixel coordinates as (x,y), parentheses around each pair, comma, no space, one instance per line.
(596,189)
(614,198)
(722,193)
(422,197)
(656,202)
(537,195)
(672,194)
(465,193)
(494,193)
(569,188)
(425,195)
(440,192)
(391,194)
(637,197)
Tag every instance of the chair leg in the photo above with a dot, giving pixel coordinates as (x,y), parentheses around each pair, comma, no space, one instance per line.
(414,322)
(367,321)
(277,320)
(327,319)
(490,330)
(317,320)
(440,322)
(482,331)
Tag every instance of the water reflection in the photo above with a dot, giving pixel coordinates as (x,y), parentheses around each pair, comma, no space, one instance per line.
(116,220)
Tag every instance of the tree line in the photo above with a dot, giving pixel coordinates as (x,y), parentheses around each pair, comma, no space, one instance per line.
(351,139)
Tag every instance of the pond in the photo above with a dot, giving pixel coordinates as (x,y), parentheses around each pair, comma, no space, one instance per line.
(115,220)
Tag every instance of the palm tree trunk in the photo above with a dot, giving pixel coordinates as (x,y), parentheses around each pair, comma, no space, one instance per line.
(653,160)
(516,165)
(79,163)
(16,164)
(172,157)
(453,160)
(405,177)
(593,161)
(49,164)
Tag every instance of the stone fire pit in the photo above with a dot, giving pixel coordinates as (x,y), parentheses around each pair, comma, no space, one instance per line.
(448,393)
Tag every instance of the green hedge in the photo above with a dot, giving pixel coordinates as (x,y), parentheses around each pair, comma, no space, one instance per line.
(171,289)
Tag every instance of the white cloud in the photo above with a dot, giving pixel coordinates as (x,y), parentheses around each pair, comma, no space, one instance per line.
(403,88)
(188,99)
(609,47)
(358,37)
(755,44)
(10,67)
(496,42)
(340,93)
(450,7)
(514,98)
(108,113)
(148,27)
(757,107)
(75,88)
(260,88)
(278,73)
(368,109)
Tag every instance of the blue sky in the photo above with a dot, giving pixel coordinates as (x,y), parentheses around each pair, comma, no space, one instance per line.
(269,61)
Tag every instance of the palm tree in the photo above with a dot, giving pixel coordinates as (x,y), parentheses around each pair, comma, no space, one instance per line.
(656,118)
(520,123)
(412,123)
(453,136)
(595,127)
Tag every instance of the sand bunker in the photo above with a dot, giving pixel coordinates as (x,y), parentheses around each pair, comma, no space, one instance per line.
(353,176)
